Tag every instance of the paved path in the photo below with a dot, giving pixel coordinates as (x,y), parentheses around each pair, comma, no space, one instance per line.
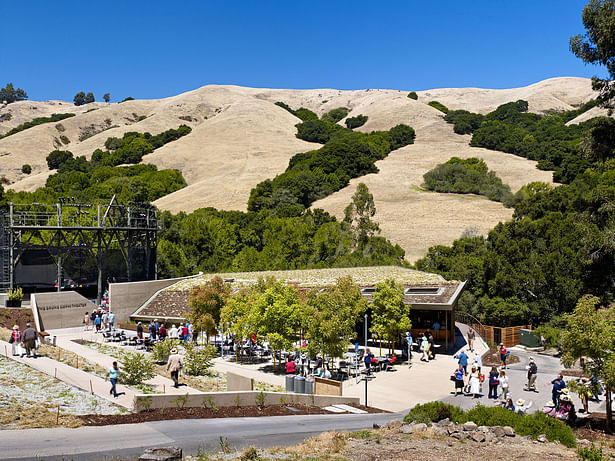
(130,440)
(78,378)
(548,369)
(64,339)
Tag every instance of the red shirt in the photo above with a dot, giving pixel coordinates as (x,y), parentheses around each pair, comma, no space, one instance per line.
(16,335)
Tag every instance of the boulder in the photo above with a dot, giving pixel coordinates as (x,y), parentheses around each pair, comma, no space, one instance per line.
(162,454)
(440,431)
(420,427)
(478,436)
(459,435)
(407,429)
(542,438)
(394,424)
(470,426)
(498,431)
(484,429)
(509,431)
(489,437)
(444,422)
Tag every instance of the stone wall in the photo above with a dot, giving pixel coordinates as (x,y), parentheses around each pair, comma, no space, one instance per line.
(230,399)
(64,309)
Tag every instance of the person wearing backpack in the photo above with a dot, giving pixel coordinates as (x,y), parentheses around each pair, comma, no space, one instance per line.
(532,371)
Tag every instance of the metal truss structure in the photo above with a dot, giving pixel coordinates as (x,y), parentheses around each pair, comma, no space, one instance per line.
(68,227)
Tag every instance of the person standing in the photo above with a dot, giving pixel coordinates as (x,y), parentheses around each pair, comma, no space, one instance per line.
(111,320)
(367,359)
(436,327)
(425,349)
(86,322)
(173,333)
(504,384)
(174,364)
(532,371)
(162,332)
(503,355)
(493,383)
(463,360)
(432,346)
(152,331)
(97,322)
(29,340)
(471,338)
(105,321)
(556,391)
(112,374)
(15,340)
(474,383)
(139,330)
(458,375)
(478,362)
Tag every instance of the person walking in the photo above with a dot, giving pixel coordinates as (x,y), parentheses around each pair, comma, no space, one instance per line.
(474,383)
(15,340)
(112,374)
(105,321)
(494,382)
(458,374)
(173,332)
(478,362)
(174,365)
(471,338)
(152,331)
(97,322)
(139,330)
(463,360)
(29,340)
(532,371)
(425,349)
(432,346)
(111,320)
(86,322)
(162,332)
(504,384)
(367,360)
(503,355)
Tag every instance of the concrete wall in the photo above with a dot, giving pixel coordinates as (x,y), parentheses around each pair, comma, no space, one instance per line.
(231,399)
(64,309)
(235,382)
(125,298)
(324,386)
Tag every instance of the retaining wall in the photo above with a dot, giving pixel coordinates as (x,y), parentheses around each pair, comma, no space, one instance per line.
(63,309)
(230,399)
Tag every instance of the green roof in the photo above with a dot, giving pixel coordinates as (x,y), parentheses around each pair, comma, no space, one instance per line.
(363,276)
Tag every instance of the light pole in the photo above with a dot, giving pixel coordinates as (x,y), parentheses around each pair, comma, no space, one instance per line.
(365,348)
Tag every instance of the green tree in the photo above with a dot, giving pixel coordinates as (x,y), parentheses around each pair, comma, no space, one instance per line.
(598,47)
(79,99)
(279,313)
(590,333)
(9,94)
(598,143)
(358,215)
(106,97)
(332,316)
(89,98)
(239,315)
(57,157)
(205,302)
(26,169)
(391,316)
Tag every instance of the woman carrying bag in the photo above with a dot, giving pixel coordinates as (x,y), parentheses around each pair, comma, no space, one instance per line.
(15,341)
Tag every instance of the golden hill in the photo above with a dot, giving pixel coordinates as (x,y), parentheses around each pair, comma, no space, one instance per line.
(240,137)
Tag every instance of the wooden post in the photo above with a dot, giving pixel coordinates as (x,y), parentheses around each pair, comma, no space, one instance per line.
(55,373)
(164,390)
(91,389)
(77,357)
(58,415)
(5,351)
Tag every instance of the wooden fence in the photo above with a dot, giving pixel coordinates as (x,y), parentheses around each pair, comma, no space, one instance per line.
(510,336)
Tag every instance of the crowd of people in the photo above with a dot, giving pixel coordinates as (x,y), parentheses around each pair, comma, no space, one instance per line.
(24,343)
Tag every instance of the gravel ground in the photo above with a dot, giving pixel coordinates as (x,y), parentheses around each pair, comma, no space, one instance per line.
(21,386)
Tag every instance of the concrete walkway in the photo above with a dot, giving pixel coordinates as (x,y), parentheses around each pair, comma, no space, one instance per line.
(74,377)
(65,339)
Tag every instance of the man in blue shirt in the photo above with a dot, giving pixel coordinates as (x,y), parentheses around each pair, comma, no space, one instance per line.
(463,360)
(558,385)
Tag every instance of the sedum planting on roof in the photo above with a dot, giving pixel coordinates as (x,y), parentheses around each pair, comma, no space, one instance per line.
(362,276)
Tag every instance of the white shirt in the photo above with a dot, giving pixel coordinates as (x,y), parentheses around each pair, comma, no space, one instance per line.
(173,333)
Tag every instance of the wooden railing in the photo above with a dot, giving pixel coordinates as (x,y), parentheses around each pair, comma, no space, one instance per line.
(473,322)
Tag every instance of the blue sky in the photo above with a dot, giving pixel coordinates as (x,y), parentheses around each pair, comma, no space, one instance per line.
(153,49)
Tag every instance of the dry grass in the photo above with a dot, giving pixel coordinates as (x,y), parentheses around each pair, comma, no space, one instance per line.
(33,417)
(240,138)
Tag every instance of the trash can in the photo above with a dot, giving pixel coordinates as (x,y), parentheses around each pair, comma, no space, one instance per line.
(290,383)
(309,386)
(299,385)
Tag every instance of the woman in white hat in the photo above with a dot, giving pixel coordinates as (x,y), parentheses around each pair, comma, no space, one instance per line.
(549,409)
(15,340)
(521,407)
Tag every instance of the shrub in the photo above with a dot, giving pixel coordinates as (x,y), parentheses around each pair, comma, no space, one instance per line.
(433,412)
(436,105)
(592,453)
(35,122)
(356,122)
(27,169)
(531,425)
(335,115)
(136,368)
(413,95)
(468,176)
(162,349)
(198,359)
(129,98)
(57,158)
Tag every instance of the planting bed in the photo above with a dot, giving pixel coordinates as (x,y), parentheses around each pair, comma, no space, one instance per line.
(198,413)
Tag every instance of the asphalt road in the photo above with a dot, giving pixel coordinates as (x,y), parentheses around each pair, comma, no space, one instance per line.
(130,440)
